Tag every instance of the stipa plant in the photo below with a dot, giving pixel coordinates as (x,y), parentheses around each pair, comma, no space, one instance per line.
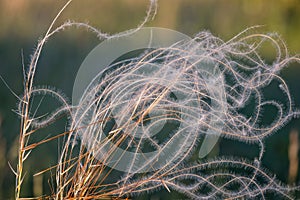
(141,120)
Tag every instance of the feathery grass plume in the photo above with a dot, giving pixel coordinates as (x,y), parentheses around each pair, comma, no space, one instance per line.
(29,123)
(180,93)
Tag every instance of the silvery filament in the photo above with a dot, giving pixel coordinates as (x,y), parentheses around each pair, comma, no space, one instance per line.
(147,112)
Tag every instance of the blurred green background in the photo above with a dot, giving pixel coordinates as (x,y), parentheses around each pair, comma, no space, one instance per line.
(23,22)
